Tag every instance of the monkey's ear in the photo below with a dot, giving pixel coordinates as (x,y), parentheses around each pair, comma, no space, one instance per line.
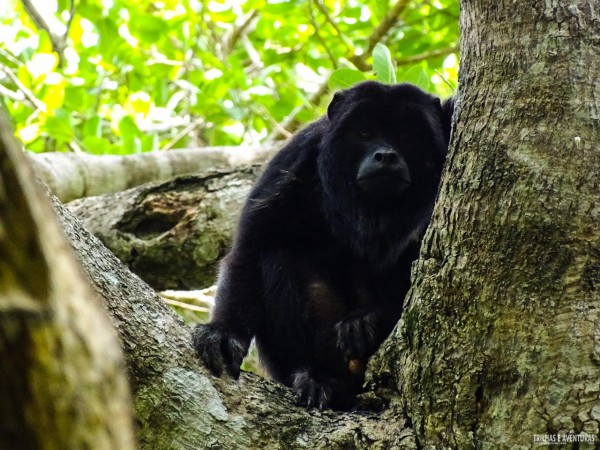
(336,106)
(447,112)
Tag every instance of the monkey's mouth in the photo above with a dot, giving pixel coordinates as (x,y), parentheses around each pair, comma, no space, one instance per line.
(383,185)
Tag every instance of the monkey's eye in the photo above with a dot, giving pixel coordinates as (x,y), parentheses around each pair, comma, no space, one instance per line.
(365,134)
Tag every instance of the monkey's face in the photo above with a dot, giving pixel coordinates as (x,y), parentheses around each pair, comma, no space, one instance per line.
(384,145)
(382,172)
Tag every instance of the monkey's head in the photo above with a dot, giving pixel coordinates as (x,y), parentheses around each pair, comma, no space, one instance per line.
(383,142)
(380,163)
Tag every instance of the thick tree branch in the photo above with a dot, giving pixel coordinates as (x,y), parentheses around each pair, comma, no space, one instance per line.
(70,176)
(171,234)
(63,383)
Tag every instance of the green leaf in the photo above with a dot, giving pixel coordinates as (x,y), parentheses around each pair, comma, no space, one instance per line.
(382,64)
(92,127)
(128,128)
(97,146)
(60,126)
(148,27)
(63,5)
(345,78)
(417,75)
(379,8)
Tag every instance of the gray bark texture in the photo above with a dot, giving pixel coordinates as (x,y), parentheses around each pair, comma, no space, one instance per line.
(62,380)
(500,339)
(171,234)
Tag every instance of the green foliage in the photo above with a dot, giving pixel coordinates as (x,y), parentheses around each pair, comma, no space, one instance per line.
(139,75)
(383,65)
(345,78)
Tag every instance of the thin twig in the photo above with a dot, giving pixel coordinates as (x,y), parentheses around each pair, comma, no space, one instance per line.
(40,22)
(379,33)
(59,42)
(290,124)
(388,22)
(330,21)
(187,306)
(445,80)
(10,57)
(14,96)
(26,92)
(315,25)
(70,20)
(255,62)
(196,123)
(75,147)
(239,31)
(426,55)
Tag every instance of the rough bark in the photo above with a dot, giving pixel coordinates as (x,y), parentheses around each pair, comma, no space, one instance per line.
(179,407)
(500,340)
(70,176)
(170,234)
(62,383)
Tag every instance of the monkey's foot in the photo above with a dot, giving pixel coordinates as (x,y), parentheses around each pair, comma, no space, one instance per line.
(309,392)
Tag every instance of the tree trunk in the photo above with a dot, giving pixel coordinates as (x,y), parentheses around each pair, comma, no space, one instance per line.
(171,234)
(499,345)
(62,383)
(70,176)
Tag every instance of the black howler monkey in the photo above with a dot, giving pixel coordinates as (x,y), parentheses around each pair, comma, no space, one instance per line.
(321,261)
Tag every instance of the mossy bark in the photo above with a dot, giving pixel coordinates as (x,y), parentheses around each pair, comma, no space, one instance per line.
(171,234)
(500,339)
(62,377)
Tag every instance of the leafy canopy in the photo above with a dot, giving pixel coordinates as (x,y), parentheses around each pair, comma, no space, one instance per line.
(124,76)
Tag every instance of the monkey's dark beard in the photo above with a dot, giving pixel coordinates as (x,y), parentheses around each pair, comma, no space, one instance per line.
(379,236)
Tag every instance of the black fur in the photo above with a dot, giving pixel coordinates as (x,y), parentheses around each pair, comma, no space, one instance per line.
(321,262)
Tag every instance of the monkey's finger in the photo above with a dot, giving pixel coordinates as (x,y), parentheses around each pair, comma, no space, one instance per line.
(369,324)
(344,338)
(357,339)
(311,396)
(214,361)
(324,397)
(299,397)
(233,355)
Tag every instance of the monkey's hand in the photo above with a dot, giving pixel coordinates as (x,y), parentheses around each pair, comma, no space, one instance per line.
(219,349)
(356,335)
